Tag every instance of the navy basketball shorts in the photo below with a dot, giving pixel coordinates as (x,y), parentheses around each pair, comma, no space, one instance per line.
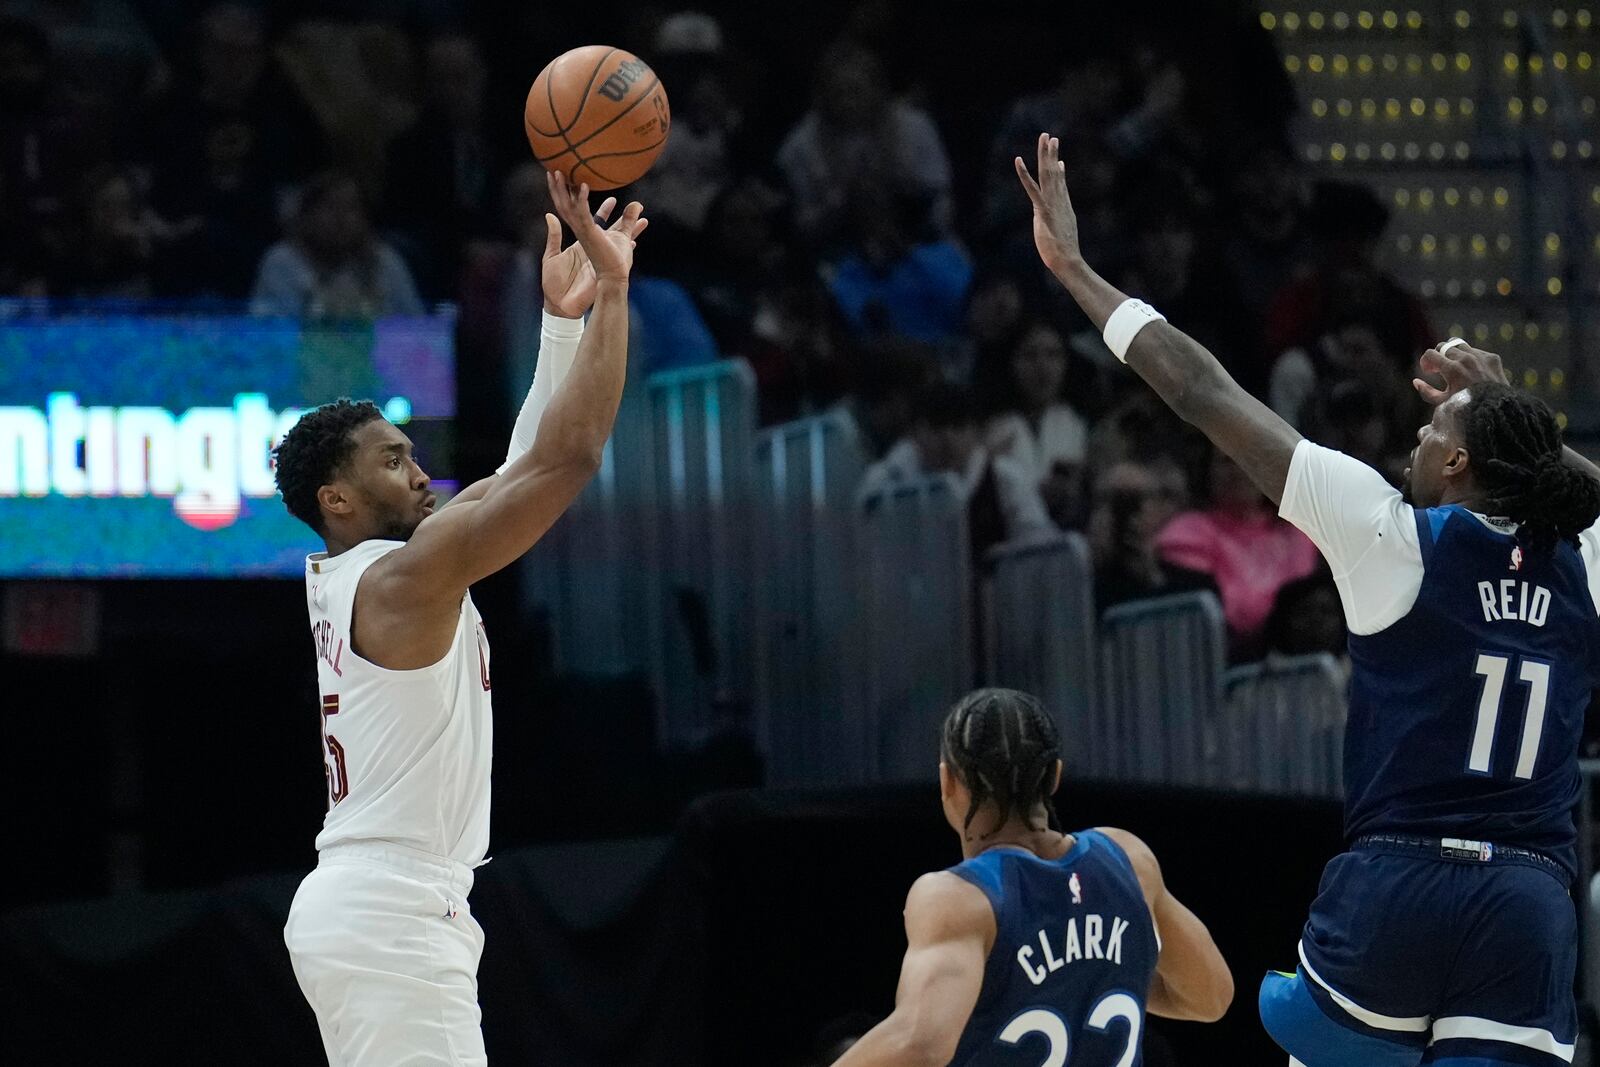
(1411,957)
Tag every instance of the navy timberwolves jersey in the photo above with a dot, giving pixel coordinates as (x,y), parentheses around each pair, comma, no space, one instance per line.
(1465,715)
(1074,952)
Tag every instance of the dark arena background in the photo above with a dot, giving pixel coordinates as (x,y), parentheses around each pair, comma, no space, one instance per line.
(718,680)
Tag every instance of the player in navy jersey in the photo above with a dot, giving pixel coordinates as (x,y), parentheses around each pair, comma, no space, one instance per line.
(1447,932)
(1040,947)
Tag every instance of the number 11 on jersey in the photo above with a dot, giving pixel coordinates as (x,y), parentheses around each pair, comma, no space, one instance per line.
(1536,676)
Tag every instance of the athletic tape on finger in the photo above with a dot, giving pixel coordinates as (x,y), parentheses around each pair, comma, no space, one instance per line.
(1448,345)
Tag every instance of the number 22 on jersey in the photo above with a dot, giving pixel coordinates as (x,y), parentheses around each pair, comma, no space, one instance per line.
(333,760)
(1054,1028)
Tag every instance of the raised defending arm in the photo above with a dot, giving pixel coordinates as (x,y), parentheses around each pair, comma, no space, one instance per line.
(1179,368)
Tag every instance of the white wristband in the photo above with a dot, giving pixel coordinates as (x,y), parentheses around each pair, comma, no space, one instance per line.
(1123,326)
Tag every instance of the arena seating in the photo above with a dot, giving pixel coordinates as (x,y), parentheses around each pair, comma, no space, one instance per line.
(916,602)
(1039,633)
(1282,727)
(807,653)
(1161,688)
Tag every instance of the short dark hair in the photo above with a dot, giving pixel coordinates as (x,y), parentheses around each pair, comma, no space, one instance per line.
(1003,746)
(312,452)
(1516,447)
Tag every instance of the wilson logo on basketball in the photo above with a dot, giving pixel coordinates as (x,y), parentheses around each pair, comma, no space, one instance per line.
(615,87)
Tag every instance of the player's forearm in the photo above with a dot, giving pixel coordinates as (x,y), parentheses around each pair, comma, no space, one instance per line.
(1194,385)
(1178,368)
(575,425)
(1192,980)
(895,1043)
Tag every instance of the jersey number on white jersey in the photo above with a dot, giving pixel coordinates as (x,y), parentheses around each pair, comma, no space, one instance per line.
(333,763)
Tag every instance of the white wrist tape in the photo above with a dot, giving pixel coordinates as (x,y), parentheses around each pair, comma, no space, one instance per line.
(1125,323)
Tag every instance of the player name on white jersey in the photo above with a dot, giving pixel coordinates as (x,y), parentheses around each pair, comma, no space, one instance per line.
(1073,947)
(1510,601)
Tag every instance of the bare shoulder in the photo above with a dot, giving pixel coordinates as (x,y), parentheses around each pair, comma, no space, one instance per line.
(1145,864)
(400,623)
(944,906)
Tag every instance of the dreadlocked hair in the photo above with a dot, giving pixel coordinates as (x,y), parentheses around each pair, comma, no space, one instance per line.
(313,451)
(1003,747)
(1515,445)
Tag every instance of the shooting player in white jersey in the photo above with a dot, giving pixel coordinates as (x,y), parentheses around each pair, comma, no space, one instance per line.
(382,939)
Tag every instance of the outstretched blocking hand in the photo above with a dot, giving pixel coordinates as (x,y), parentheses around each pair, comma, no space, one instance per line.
(1460,366)
(1055,225)
(570,275)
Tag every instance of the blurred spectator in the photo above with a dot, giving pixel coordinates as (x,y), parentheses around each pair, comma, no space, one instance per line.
(1239,540)
(1267,242)
(109,63)
(109,248)
(1307,618)
(34,142)
(1002,502)
(332,265)
(989,327)
(1140,427)
(695,167)
(1169,271)
(228,137)
(798,348)
(857,134)
(1345,286)
(356,80)
(1359,403)
(889,375)
(1037,428)
(1131,502)
(888,281)
(740,262)
(1103,119)
(439,184)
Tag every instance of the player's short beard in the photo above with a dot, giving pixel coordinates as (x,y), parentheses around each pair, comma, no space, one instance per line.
(396,526)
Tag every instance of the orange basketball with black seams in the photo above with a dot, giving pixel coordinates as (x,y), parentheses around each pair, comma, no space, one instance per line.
(598,115)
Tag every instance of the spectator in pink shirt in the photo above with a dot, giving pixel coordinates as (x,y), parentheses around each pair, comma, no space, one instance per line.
(1250,552)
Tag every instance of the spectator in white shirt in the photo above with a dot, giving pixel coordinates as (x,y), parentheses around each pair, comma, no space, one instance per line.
(858,132)
(1036,428)
(333,265)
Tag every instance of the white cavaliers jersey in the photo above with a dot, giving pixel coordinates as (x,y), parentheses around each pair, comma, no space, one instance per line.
(406,753)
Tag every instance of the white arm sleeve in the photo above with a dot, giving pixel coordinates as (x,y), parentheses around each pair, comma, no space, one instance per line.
(1365,529)
(1589,549)
(558,344)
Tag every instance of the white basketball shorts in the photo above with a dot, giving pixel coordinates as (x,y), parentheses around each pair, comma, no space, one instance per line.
(386,950)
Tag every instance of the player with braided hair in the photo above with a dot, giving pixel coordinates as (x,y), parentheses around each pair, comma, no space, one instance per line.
(1446,933)
(1039,943)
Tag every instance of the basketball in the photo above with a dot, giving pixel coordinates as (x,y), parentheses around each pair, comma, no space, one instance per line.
(599,115)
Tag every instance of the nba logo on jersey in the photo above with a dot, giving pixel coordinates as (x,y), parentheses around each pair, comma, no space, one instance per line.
(1516,558)
(1076,887)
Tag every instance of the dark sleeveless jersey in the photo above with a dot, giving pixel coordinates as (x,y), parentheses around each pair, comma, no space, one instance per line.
(1074,952)
(1465,715)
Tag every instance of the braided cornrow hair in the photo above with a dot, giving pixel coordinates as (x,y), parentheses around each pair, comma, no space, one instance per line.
(1515,445)
(1003,747)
